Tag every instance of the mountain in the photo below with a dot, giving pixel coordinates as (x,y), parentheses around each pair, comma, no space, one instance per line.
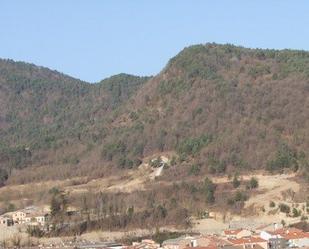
(43,110)
(218,109)
(251,104)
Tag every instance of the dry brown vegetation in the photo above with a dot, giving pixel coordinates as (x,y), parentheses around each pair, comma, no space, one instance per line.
(215,110)
(221,108)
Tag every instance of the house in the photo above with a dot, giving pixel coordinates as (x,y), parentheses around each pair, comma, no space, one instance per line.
(19,217)
(237,233)
(196,242)
(275,241)
(293,237)
(38,218)
(145,244)
(30,215)
(214,240)
(179,243)
(249,242)
(6,220)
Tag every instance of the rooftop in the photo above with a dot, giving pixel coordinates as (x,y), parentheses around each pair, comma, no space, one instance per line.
(248,240)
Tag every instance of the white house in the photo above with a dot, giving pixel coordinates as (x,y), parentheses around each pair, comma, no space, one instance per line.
(6,221)
(19,216)
(294,237)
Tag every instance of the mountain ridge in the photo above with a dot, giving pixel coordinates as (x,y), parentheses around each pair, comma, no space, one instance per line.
(219,107)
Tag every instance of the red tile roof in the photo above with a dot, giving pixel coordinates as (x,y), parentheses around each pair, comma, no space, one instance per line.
(291,233)
(232,232)
(287,230)
(249,240)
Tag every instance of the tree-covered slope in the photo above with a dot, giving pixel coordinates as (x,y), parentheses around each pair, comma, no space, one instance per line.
(218,108)
(44,110)
(224,108)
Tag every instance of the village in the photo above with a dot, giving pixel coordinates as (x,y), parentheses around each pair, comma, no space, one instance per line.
(271,236)
(30,216)
(212,230)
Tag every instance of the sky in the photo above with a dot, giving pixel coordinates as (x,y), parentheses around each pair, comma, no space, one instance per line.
(94,39)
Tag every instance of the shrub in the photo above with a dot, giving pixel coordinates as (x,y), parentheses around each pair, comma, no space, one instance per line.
(209,190)
(111,150)
(230,201)
(196,112)
(258,70)
(253,183)
(3,176)
(296,213)
(173,161)
(285,158)
(216,166)
(238,197)
(236,182)
(35,231)
(284,208)
(124,162)
(11,207)
(194,169)
(283,222)
(272,204)
(133,116)
(191,146)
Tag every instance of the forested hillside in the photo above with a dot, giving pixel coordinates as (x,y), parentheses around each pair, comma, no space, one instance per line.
(43,111)
(217,108)
(223,108)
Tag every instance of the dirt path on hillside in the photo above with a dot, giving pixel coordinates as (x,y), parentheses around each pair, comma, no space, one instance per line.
(271,188)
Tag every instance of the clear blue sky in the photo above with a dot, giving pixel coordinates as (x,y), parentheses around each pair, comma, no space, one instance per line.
(93,39)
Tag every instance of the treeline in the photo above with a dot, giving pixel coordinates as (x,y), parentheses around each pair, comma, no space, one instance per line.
(149,209)
(108,211)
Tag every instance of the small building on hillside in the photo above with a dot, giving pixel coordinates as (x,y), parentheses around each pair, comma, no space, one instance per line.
(19,216)
(30,215)
(6,220)
(36,219)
